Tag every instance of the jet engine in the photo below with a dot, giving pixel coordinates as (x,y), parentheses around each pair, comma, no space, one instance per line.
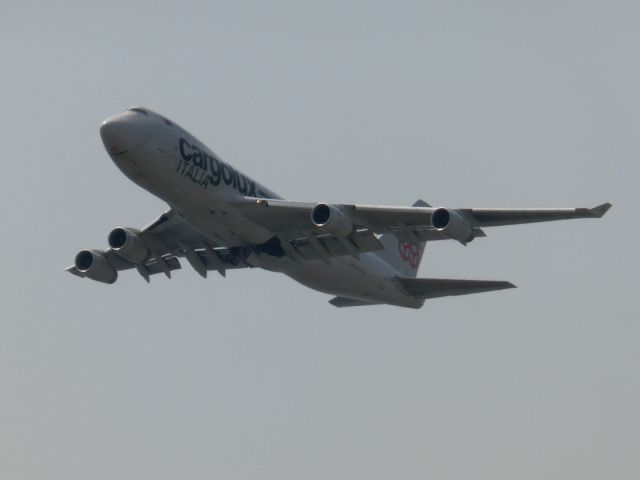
(96,266)
(452,224)
(331,219)
(128,245)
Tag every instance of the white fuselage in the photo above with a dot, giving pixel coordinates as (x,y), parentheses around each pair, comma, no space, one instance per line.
(170,163)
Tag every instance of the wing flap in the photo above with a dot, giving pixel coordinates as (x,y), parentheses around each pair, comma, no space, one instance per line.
(443,287)
(360,241)
(155,266)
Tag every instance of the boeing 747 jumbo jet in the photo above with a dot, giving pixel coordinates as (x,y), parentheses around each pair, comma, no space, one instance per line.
(220,219)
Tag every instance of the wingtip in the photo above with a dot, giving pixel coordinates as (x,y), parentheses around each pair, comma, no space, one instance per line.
(600,210)
(73,270)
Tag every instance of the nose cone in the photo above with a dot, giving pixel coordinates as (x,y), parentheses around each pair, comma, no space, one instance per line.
(122,134)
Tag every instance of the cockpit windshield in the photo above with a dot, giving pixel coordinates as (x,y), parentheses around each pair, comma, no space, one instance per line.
(138,109)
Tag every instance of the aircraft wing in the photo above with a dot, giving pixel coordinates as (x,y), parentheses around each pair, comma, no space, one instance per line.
(494,217)
(417,223)
(169,238)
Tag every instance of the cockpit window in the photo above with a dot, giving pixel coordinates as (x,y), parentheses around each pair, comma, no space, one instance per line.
(139,110)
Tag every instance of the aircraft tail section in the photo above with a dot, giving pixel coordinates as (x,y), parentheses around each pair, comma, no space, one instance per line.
(403,255)
(443,287)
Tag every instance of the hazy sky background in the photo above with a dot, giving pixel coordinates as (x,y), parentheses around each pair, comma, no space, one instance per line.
(485,104)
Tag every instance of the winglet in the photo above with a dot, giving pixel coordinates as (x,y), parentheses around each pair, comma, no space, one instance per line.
(600,210)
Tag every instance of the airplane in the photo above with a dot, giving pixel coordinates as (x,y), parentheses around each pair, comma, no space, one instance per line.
(220,219)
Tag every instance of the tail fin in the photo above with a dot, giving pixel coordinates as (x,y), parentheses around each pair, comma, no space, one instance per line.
(404,256)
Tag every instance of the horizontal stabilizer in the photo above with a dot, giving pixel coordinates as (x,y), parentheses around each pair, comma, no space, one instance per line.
(444,287)
(348,302)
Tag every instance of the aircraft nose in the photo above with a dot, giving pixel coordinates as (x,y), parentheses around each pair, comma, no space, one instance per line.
(122,133)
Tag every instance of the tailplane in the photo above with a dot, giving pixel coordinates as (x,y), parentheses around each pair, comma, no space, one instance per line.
(443,287)
(403,255)
(349,302)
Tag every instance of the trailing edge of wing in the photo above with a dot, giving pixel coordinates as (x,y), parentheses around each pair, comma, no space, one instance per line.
(443,287)
(151,267)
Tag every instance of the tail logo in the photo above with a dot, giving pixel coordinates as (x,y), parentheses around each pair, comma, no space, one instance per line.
(410,253)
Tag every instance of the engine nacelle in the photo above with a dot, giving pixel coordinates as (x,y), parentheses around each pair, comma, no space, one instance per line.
(128,245)
(332,220)
(452,224)
(95,266)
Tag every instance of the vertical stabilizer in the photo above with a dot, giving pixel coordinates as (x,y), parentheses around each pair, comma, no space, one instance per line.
(402,255)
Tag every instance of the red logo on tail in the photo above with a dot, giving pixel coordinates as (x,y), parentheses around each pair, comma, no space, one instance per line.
(410,253)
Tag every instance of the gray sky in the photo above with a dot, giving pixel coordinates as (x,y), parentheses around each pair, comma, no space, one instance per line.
(503,104)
